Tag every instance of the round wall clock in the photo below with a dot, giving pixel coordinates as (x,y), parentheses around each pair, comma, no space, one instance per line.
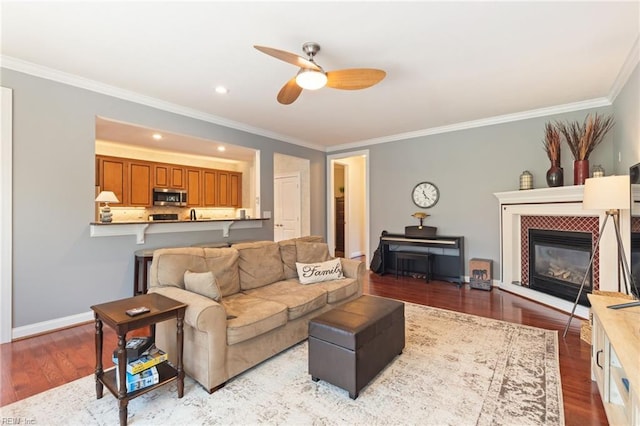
(425,195)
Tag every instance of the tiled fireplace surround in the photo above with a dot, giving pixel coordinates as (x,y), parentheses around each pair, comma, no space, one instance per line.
(554,209)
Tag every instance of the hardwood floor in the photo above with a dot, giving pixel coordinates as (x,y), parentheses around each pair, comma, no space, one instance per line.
(33,365)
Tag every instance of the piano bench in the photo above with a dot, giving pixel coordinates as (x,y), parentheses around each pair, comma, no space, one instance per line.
(401,256)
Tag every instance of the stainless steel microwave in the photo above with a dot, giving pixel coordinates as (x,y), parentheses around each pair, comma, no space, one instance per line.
(169,197)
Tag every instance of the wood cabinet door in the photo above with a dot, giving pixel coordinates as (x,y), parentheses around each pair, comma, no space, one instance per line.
(224,198)
(209,188)
(161,175)
(235,189)
(140,184)
(178,180)
(193,187)
(112,174)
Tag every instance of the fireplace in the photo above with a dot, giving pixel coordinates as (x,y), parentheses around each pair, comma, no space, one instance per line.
(558,261)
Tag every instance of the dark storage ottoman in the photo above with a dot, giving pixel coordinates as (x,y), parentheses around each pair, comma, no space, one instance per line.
(349,345)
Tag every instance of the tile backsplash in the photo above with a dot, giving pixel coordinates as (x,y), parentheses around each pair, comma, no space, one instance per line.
(141,214)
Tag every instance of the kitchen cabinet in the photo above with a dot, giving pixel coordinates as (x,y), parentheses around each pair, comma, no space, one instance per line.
(230,189)
(112,176)
(140,184)
(133,181)
(235,180)
(194,195)
(209,188)
(168,176)
(178,180)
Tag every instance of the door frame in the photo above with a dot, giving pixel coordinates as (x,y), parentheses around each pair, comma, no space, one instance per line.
(331,218)
(347,248)
(6,215)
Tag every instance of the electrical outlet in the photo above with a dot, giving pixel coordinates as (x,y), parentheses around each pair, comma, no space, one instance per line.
(266,215)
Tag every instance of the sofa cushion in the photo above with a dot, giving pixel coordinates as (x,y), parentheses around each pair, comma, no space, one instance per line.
(311,252)
(169,265)
(249,316)
(338,290)
(259,264)
(203,283)
(300,299)
(309,273)
(223,262)
(288,253)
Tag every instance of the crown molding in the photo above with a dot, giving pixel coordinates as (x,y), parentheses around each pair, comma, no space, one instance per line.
(625,72)
(95,86)
(501,119)
(105,89)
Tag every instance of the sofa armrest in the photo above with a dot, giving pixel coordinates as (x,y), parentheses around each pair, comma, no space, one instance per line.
(202,313)
(353,268)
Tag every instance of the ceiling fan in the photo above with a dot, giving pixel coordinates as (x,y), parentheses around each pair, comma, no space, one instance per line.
(311,76)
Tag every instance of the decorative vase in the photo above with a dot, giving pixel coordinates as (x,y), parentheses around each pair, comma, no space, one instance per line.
(555,175)
(598,171)
(526,180)
(580,171)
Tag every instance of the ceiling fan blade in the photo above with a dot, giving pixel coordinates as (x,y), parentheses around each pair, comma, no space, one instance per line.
(288,57)
(289,92)
(354,78)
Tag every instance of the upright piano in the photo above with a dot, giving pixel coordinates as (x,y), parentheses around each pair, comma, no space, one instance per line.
(448,254)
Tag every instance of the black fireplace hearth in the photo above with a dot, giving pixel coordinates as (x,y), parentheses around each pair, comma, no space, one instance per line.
(558,261)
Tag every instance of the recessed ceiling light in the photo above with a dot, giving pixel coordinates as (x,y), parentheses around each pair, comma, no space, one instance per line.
(222,90)
(157,136)
(222,148)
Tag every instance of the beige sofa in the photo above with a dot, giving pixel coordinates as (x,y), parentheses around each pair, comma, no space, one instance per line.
(263,308)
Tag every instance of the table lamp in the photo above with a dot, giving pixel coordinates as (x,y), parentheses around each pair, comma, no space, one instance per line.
(106,197)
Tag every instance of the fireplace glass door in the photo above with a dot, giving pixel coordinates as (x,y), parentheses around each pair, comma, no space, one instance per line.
(558,263)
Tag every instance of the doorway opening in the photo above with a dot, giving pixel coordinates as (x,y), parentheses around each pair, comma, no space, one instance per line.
(348,204)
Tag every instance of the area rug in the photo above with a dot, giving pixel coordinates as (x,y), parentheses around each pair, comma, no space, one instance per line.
(456,369)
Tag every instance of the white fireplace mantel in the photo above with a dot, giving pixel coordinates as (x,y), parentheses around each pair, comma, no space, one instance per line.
(561,201)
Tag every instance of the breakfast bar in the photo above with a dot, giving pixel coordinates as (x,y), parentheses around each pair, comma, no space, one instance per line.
(140,229)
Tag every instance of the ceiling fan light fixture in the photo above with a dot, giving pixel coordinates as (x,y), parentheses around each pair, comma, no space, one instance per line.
(311,79)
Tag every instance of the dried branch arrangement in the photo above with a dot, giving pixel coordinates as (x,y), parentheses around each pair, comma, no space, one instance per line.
(551,142)
(584,138)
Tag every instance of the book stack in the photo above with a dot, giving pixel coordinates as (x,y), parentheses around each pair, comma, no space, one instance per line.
(143,358)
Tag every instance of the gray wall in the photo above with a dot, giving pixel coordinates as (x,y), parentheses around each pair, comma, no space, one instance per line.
(467,166)
(626,108)
(58,269)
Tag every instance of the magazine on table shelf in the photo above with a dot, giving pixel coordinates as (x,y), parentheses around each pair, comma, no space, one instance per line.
(151,357)
(141,380)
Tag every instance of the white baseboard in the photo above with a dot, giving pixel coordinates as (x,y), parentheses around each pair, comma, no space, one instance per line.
(356,254)
(51,325)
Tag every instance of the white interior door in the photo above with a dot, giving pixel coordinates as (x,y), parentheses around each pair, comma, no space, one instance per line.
(286,200)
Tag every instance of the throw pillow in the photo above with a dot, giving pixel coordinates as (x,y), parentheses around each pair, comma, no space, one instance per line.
(203,283)
(309,273)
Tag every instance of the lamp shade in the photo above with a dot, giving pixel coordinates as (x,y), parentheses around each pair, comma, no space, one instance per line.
(311,79)
(107,197)
(607,193)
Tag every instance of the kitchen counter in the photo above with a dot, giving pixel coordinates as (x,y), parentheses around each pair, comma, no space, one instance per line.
(141,228)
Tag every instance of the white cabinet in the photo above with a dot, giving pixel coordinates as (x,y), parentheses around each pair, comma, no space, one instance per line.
(615,359)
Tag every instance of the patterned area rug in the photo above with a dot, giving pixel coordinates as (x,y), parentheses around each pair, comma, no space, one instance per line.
(456,369)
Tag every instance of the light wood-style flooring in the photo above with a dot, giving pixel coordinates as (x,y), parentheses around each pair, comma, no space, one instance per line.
(33,365)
